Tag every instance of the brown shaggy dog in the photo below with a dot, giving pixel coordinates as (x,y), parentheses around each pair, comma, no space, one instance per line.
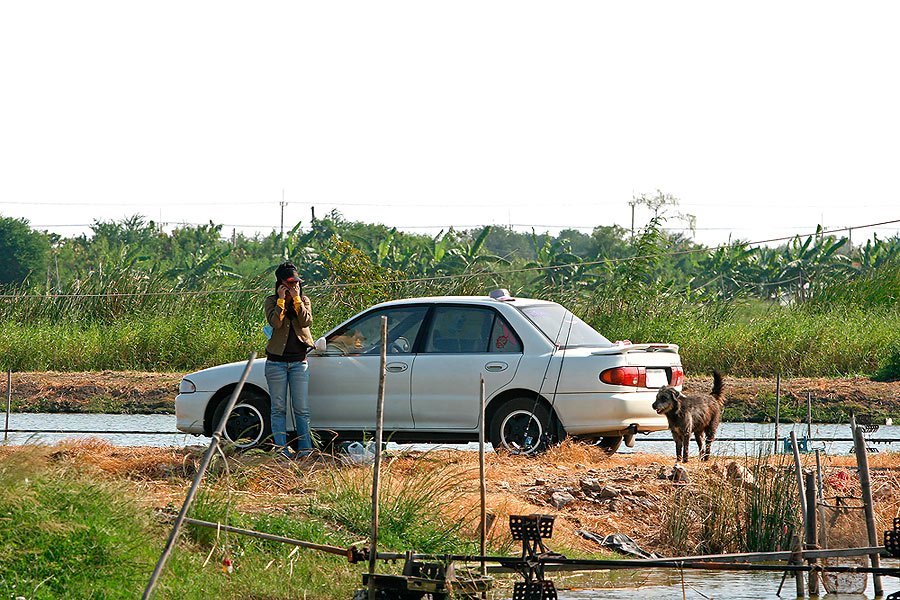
(698,414)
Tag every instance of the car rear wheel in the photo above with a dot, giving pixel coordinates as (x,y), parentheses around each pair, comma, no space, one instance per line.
(610,444)
(249,424)
(521,426)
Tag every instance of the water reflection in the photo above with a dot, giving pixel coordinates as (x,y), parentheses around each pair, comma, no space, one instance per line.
(659,442)
(668,583)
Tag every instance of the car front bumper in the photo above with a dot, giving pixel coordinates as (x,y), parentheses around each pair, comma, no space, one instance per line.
(190,410)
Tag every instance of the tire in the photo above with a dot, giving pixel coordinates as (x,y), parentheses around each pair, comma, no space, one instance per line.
(521,426)
(249,424)
(610,444)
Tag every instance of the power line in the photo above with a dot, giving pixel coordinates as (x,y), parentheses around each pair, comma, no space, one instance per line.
(475,226)
(431,204)
(465,275)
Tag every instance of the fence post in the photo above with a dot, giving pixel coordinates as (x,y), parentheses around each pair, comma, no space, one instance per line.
(376,467)
(812,541)
(483,486)
(777,407)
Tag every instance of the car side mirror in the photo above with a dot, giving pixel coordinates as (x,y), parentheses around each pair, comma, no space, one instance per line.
(320,344)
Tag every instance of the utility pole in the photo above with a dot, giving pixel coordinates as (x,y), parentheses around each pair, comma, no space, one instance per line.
(632,205)
(313,211)
(282,212)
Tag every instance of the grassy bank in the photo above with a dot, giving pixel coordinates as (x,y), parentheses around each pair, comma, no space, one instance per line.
(181,333)
(78,522)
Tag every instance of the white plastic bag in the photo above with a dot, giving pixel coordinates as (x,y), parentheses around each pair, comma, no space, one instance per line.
(360,454)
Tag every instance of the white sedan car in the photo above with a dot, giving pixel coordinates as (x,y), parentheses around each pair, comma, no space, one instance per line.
(547,374)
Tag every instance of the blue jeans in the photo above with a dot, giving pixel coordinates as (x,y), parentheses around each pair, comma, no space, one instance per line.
(294,375)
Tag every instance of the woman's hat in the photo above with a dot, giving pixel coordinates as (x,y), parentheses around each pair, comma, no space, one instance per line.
(287,273)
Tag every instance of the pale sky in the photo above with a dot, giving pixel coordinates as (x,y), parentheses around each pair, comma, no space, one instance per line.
(764,118)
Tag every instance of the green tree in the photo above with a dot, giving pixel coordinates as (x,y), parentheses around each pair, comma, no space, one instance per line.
(23,251)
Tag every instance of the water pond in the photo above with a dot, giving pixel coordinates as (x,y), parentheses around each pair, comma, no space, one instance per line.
(660,442)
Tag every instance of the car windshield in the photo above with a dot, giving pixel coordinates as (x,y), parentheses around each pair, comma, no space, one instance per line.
(562,327)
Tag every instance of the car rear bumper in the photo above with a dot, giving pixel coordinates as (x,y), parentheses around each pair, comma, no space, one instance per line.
(583,414)
(190,410)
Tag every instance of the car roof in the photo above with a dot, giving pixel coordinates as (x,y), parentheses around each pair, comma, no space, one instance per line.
(485,300)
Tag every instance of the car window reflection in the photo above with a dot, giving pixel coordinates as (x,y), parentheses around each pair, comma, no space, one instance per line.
(363,336)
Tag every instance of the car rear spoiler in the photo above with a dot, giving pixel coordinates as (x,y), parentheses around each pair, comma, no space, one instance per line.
(626,348)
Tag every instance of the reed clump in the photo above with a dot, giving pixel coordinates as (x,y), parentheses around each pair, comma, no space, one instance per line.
(716,514)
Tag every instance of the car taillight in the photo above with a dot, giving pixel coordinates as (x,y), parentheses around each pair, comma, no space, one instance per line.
(677,376)
(631,376)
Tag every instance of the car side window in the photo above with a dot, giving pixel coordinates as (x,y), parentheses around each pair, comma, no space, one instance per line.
(363,336)
(459,330)
(503,338)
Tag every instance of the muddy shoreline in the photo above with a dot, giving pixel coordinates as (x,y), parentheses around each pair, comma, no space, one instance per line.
(747,399)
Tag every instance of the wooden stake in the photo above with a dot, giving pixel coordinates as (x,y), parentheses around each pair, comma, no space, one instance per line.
(379,431)
(797,559)
(777,407)
(8,403)
(823,535)
(812,540)
(204,464)
(808,418)
(482,479)
(862,463)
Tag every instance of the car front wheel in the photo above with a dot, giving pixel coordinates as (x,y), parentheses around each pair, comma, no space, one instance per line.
(248,425)
(521,426)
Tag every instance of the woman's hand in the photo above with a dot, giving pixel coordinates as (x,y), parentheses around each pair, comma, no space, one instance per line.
(294,290)
(282,291)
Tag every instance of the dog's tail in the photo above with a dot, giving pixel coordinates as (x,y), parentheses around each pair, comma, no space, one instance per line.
(717,385)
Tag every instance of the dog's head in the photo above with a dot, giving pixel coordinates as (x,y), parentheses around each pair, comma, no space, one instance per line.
(666,400)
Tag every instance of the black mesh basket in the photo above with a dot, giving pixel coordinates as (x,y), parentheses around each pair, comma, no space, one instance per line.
(892,539)
(534,590)
(531,527)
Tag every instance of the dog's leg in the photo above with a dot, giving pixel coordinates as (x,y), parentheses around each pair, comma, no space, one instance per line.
(676,435)
(710,436)
(701,451)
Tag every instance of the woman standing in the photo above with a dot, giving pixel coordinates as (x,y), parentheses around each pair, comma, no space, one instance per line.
(288,312)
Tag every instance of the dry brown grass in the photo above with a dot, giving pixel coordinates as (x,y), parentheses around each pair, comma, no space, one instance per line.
(161,476)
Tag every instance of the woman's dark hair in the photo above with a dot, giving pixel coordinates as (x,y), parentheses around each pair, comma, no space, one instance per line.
(283,271)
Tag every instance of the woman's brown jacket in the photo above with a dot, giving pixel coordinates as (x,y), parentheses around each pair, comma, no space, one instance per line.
(276,315)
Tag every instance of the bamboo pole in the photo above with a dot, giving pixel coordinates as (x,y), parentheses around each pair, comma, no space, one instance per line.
(777,407)
(207,457)
(812,540)
(483,486)
(379,431)
(798,469)
(862,462)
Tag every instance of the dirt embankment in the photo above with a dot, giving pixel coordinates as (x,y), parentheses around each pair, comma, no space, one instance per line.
(832,399)
(126,392)
(747,399)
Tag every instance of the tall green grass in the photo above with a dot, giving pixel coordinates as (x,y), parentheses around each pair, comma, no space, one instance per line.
(842,330)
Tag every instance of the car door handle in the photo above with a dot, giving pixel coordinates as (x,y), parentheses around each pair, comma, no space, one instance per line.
(396,367)
(496,366)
